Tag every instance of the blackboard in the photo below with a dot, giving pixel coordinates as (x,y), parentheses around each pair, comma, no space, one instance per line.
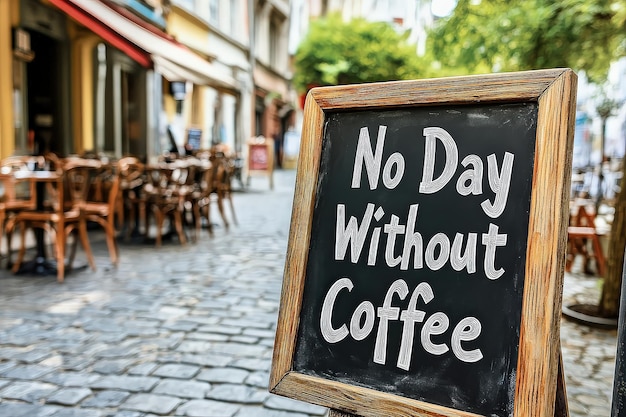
(422,273)
(194,135)
(259,157)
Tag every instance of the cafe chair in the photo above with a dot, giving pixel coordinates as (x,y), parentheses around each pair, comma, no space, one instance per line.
(223,169)
(164,198)
(129,198)
(62,218)
(100,206)
(17,195)
(584,239)
(198,197)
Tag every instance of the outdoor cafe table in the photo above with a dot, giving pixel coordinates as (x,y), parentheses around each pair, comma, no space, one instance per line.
(40,265)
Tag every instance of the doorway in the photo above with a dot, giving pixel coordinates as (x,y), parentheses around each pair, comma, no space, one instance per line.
(44,95)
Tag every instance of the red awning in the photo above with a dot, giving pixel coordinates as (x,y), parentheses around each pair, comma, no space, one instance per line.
(145,43)
(105,32)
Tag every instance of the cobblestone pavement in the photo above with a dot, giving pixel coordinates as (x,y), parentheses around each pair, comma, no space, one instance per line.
(188,331)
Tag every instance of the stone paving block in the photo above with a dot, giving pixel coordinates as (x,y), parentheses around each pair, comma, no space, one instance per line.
(244,339)
(287,404)
(238,349)
(26,410)
(5,366)
(111,338)
(258,379)
(117,352)
(142,331)
(251,364)
(223,375)
(207,337)
(125,383)
(70,379)
(183,389)
(151,403)
(249,411)
(194,346)
(201,318)
(27,391)
(182,325)
(106,399)
(207,408)
(208,359)
(267,342)
(247,323)
(161,342)
(77,412)
(176,370)
(261,333)
(143,369)
(76,363)
(127,413)
(220,329)
(31,356)
(27,372)
(69,396)
(109,367)
(103,325)
(237,394)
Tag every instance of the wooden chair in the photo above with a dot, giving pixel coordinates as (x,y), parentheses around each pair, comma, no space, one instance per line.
(64,218)
(129,199)
(164,197)
(200,196)
(17,195)
(100,206)
(223,169)
(583,239)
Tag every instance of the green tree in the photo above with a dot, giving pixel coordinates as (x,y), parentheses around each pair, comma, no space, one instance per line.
(502,35)
(337,52)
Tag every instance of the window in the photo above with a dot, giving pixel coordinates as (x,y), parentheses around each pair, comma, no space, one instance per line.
(275,42)
(234,19)
(214,12)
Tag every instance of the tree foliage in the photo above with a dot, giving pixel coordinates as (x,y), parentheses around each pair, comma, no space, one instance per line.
(502,35)
(337,52)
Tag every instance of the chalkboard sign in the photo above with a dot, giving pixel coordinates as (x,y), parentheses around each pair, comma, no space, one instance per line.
(425,261)
(261,158)
(193,138)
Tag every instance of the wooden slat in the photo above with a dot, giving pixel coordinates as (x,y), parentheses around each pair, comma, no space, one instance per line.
(545,261)
(299,237)
(363,402)
(509,87)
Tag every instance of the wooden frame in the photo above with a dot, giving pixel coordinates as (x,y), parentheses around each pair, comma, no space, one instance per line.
(555,92)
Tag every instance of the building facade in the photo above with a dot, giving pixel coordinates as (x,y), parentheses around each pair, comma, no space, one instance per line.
(134,76)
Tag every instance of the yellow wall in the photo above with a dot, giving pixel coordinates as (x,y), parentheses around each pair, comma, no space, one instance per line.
(82,44)
(9,10)
(194,33)
(188,30)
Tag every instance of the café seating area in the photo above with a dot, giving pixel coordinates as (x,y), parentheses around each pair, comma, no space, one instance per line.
(584,234)
(61,200)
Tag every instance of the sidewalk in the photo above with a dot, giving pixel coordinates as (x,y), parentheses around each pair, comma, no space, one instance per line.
(188,331)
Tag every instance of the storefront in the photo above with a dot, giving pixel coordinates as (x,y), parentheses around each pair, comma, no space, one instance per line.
(90,76)
(40,75)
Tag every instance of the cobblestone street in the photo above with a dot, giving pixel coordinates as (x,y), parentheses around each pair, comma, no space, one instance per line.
(188,330)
